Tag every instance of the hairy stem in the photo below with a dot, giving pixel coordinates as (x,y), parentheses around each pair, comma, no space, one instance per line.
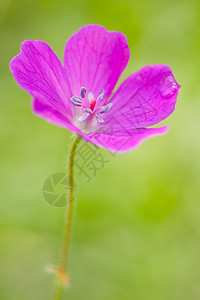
(61,271)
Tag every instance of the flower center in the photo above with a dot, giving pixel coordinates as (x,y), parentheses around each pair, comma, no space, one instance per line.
(91,107)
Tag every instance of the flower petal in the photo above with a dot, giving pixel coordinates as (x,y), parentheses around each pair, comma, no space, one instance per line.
(143,99)
(124,143)
(44,110)
(38,70)
(95,58)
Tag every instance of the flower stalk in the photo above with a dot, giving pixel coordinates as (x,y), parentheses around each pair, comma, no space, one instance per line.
(62,279)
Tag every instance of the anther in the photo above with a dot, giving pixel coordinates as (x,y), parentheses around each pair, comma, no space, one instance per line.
(90,97)
(83,92)
(76,100)
(101,96)
(84,117)
(99,119)
(105,108)
(88,110)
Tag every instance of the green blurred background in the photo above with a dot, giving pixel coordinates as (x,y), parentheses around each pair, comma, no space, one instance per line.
(136,231)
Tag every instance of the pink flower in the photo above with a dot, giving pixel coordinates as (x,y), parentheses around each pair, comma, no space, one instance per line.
(77,96)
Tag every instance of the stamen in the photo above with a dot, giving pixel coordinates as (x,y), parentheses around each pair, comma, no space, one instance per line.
(91,109)
(90,97)
(99,119)
(76,100)
(84,117)
(88,110)
(83,92)
(101,96)
(105,108)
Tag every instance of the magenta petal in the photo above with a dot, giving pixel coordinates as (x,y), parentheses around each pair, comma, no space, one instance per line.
(42,109)
(125,143)
(38,70)
(143,99)
(95,58)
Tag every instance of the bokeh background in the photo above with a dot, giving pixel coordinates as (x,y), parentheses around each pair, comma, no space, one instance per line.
(136,230)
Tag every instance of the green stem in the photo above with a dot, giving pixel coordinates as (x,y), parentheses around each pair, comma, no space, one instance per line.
(62,277)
